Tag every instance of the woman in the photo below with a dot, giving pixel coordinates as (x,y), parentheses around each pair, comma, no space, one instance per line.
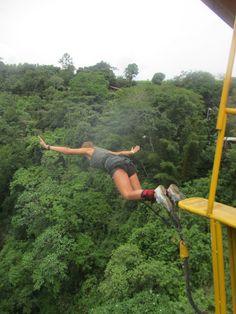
(122,171)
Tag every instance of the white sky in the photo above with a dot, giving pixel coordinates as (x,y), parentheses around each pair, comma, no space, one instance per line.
(166,36)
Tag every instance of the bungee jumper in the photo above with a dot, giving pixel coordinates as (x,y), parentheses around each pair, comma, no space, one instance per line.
(123,172)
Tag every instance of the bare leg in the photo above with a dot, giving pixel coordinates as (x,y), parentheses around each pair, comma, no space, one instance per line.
(124,185)
(134,180)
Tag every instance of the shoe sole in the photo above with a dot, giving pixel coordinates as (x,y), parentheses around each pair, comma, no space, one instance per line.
(162,198)
(174,193)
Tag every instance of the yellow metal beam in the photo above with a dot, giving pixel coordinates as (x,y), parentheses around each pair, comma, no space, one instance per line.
(231,110)
(227,81)
(216,228)
(219,213)
(221,123)
(218,267)
(232,261)
(216,166)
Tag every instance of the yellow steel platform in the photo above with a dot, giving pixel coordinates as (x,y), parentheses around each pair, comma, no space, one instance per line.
(218,213)
(222,213)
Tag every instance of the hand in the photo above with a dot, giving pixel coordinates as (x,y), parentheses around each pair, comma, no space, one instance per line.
(42,143)
(135,149)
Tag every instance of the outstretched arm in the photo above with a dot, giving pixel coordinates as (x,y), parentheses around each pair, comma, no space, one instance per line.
(133,150)
(66,150)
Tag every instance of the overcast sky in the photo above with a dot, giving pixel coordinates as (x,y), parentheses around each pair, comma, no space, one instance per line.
(158,35)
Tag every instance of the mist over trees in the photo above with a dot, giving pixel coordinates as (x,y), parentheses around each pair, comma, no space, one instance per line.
(69,243)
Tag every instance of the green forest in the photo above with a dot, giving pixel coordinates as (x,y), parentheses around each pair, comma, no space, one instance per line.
(69,243)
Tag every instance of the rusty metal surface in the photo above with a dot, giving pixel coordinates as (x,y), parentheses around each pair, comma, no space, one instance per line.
(225,9)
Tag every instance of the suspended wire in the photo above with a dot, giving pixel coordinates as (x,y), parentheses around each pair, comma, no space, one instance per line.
(177,224)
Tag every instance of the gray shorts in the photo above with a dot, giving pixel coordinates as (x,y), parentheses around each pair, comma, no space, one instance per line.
(115,162)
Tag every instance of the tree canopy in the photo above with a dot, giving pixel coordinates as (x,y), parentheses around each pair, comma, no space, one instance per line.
(131,71)
(158,78)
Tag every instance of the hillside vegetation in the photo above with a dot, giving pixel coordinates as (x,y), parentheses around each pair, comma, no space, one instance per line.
(69,243)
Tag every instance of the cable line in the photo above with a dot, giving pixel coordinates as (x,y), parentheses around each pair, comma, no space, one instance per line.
(183,252)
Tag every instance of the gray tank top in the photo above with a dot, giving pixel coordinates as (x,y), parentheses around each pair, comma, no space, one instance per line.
(99,157)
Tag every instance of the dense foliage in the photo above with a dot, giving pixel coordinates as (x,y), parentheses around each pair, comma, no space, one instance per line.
(69,243)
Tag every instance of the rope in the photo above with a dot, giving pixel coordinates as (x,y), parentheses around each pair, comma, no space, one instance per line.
(165,221)
(188,287)
(176,222)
